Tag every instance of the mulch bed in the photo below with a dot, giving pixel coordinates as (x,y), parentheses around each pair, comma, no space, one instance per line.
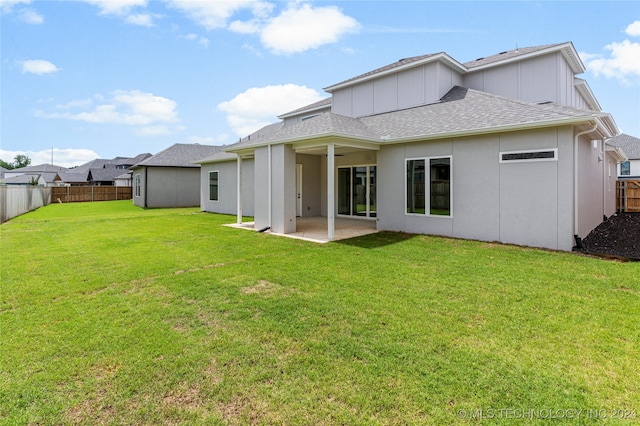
(617,236)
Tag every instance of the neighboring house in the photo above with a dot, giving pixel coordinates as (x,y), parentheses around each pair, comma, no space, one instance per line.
(629,169)
(123,179)
(101,171)
(43,174)
(2,170)
(505,148)
(34,178)
(170,178)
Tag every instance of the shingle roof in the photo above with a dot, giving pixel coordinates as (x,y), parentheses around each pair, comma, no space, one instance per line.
(567,50)
(460,110)
(629,144)
(179,155)
(74,176)
(105,175)
(39,168)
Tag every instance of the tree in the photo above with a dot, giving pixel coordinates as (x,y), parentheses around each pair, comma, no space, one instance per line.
(20,161)
(6,165)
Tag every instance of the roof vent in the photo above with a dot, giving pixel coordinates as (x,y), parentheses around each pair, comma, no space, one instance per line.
(479,59)
(502,53)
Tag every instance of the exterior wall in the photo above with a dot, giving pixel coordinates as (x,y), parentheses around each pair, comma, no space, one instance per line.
(228,187)
(405,89)
(544,78)
(139,200)
(261,187)
(590,186)
(283,191)
(527,203)
(311,187)
(168,187)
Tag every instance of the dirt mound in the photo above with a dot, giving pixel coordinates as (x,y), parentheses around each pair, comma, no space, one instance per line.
(618,236)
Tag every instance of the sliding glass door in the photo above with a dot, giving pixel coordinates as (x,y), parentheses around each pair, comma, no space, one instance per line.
(357,191)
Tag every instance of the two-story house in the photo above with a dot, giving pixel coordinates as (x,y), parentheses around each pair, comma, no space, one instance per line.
(504,148)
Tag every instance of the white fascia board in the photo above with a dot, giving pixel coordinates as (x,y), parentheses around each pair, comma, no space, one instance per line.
(498,129)
(618,153)
(567,50)
(583,88)
(442,57)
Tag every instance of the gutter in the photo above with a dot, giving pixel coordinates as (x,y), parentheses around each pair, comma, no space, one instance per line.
(576,140)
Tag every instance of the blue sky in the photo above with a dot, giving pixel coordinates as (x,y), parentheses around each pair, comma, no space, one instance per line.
(106,78)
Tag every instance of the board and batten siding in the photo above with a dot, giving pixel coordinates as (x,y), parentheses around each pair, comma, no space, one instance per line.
(539,79)
(405,89)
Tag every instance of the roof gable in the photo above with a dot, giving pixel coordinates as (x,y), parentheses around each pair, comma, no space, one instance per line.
(179,155)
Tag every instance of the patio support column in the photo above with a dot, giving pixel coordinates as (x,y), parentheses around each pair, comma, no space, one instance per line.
(239,190)
(330,192)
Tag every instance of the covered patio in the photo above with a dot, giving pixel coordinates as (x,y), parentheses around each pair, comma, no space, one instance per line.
(314,229)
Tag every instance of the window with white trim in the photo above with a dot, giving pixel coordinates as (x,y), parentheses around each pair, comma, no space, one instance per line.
(213,186)
(137,185)
(625,169)
(428,186)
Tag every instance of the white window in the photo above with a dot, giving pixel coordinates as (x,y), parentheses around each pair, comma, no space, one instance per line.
(428,186)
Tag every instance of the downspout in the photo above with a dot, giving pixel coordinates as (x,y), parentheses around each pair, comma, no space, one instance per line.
(604,182)
(576,139)
(269,182)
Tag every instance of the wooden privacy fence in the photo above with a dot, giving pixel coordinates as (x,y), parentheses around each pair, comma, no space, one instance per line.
(628,196)
(76,194)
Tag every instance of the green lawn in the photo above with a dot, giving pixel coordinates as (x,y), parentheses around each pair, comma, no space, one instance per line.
(110,314)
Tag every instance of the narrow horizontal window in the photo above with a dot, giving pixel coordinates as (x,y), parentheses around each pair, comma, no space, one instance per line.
(532,155)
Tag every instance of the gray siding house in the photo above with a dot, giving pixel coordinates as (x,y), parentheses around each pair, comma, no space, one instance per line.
(170,178)
(505,148)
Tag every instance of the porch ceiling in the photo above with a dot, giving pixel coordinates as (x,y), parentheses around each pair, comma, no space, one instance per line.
(340,147)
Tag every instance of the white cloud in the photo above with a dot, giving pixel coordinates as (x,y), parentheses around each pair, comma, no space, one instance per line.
(6,6)
(259,106)
(214,14)
(303,27)
(633,29)
(298,28)
(124,9)
(38,66)
(116,7)
(622,63)
(148,112)
(30,16)
(65,157)
(142,19)
(623,60)
(203,41)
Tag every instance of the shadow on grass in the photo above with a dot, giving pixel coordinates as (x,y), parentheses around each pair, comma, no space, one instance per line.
(379,239)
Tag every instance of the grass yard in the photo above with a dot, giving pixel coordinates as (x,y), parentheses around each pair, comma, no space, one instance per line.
(110,314)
